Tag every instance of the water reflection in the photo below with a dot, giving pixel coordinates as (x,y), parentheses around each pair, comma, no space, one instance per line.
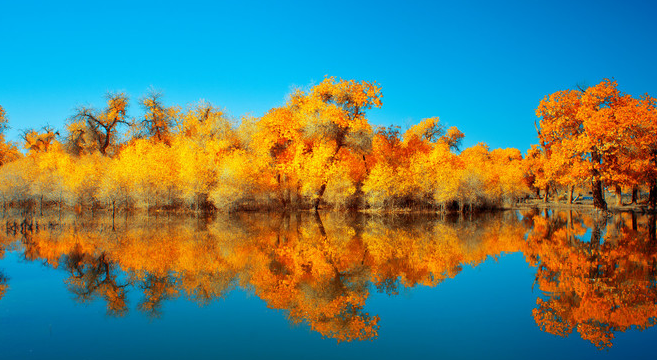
(596,275)
(596,284)
(3,285)
(5,244)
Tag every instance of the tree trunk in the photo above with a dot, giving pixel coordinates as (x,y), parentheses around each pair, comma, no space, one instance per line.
(652,198)
(652,229)
(288,196)
(598,201)
(103,148)
(570,194)
(320,224)
(652,241)
(547,191)
(619,195)
(280,192)
(635,193)
(318,197)
(594,246)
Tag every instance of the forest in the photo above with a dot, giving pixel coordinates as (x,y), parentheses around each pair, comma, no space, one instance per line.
(320,151)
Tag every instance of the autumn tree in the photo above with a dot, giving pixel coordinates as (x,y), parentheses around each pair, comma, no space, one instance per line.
(8,151)
(598,135)
(39,141)
(413,169)
(431,130)
(15,181)
(90,128)
(332,118)
(560,130)
(41,177)
(202,140)
(423,169)
(642,159)
(305,142)
(507,174)
(433,162)
(158,119)
(204,121)
(387,184)
(607,134)
(534,169)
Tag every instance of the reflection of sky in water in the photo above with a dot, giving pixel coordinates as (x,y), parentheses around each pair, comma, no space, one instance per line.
(483,312)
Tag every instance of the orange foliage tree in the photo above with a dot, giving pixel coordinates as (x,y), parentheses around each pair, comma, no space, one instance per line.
(597,135)
(314,132)
(8,151)
(92,129)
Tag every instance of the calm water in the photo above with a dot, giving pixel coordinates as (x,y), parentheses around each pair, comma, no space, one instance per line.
(510,285)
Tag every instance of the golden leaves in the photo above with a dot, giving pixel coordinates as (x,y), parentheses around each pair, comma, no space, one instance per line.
(596,134)
(318,147)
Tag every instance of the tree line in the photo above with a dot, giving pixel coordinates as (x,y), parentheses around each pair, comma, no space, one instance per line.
(319,149)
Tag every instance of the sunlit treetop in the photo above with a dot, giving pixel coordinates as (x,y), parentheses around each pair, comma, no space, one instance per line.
(39,141)
(158,119)
(96,130)
(204,121)
(341,102)
(431,130)
(8,150)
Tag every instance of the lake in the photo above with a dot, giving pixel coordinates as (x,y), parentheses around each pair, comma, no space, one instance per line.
(516,284)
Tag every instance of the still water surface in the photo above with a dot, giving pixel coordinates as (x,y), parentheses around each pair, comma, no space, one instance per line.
(508,285)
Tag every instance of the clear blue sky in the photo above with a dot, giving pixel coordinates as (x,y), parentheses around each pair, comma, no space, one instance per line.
(481,66)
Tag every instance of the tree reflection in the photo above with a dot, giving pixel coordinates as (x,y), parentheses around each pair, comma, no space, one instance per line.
(596,275)
(156,290)
(4,280)
(597,285)
(318,269)
(317,275)
(95,276)
(4,285)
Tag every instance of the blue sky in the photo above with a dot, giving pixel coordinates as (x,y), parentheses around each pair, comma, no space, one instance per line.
(481,66)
